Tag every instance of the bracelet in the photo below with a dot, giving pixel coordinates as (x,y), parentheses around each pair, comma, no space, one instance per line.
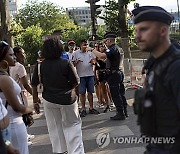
(35,103)
(7,143)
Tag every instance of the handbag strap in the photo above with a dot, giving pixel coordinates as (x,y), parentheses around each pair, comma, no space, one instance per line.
(39,72)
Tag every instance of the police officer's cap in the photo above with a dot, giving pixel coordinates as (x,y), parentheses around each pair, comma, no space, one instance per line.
(110,35)
(152,13)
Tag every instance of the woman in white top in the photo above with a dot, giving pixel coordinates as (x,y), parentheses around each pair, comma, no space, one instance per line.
(4,119)
(11,94)
(4,122)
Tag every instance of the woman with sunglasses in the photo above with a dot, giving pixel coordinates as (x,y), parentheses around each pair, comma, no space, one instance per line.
(10,95)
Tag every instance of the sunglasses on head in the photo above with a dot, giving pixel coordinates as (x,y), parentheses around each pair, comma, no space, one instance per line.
(3,44)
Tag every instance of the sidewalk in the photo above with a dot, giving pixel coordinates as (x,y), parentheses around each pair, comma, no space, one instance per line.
(93,126)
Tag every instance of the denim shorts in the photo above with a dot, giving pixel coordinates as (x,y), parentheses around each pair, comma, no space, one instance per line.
(86,83)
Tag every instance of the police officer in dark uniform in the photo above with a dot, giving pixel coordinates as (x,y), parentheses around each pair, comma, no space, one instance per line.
(115,76)
(158,103)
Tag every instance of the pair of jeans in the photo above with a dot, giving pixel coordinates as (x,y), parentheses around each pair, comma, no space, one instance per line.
(86,83)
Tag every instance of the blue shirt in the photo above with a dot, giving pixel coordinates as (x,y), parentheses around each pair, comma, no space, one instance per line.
(65,55)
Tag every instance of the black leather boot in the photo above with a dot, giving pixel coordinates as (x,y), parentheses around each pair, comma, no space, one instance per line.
(119,116)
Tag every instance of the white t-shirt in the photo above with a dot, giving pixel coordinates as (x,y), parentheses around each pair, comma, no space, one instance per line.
(3,110)
(84,68)
(17,72)
(70,56)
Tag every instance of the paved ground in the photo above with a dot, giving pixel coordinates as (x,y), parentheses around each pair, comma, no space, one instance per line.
(93,126)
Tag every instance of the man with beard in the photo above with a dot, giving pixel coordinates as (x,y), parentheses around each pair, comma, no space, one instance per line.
(158,103)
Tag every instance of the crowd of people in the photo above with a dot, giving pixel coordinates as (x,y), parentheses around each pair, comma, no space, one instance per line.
(64,77)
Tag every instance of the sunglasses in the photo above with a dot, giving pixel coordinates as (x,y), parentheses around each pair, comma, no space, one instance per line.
(72,45)
(85,44)
(102,46)
(3,44)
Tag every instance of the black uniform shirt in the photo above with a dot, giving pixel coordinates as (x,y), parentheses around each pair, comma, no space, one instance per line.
(114,57)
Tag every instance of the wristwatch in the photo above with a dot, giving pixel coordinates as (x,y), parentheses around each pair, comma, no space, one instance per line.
(7,143)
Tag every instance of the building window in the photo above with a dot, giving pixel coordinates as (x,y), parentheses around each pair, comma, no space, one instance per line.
(11,1)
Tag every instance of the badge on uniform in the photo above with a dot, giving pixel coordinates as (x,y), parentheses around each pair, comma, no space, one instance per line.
(107,50)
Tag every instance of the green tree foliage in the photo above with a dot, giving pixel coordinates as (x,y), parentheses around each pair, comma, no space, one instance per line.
(116,20)
(31,41)
(49,16)
(101,30)
(37,19)
(76,34)
(112,16)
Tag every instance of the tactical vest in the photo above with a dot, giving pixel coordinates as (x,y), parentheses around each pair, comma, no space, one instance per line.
(166,113)
(157,111)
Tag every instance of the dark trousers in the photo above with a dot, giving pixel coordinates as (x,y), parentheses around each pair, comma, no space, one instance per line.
(2,145)
(117,90)
(155,149)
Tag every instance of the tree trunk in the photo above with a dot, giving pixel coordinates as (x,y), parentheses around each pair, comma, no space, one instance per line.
(124,29)
(5,24)
(124,36)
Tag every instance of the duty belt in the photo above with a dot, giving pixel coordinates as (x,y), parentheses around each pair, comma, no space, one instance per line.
(102,70)
(112,71)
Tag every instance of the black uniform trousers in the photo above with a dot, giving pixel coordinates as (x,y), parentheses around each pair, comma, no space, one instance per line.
(115,81)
